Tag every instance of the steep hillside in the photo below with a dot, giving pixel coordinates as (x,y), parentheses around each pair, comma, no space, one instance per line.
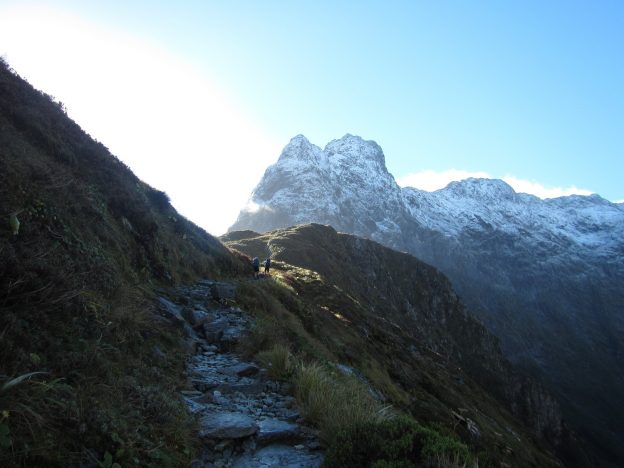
(543,275)
(398,320)
(76,281)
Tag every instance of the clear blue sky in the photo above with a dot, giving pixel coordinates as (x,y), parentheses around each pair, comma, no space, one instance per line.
(531,89)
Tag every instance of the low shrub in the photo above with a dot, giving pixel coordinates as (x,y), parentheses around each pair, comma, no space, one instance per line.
(399,442)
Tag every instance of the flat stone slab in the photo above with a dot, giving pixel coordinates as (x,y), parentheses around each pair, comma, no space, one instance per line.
(243,369)
(195,317)
(254,388)
(280,455)
(172,311)
(272,430)
(193,406)
(227,426)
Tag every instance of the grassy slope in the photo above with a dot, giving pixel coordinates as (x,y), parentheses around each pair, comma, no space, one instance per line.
(349,300)
(75,296)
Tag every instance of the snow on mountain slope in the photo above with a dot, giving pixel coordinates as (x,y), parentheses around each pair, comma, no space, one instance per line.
(585,221)
(545,276)
(348,186)
(349,176)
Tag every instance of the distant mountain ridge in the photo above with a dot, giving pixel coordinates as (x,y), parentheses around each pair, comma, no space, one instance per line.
(545,276)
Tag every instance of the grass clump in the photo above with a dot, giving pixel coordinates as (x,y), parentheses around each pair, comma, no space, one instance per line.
(278,360)
(398,442)
(333,401)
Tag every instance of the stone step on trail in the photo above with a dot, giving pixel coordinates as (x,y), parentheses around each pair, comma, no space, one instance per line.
(278,455)
(245,419)
(226,425)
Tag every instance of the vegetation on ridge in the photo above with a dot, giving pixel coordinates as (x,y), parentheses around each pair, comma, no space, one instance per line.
(342,405)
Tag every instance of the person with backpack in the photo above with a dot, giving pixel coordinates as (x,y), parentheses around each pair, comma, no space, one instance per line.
(267,265)
(256,266)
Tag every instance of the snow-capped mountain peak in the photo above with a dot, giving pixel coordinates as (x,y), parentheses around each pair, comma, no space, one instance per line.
(300,149)
(356,149)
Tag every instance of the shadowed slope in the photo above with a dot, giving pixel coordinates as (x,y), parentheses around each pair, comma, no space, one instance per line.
(75,286)
(380,309)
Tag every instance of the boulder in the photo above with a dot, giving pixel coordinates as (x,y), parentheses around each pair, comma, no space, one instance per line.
(273,430)
(231,336)
(227,426)
(170,310)
(214,330)
(194,317)
(242,369)
(222,291)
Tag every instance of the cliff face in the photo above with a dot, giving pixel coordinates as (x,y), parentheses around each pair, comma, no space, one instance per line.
(406,314)
(544,276)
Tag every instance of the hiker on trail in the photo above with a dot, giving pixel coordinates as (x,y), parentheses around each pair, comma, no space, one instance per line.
(267,265)
(256,266)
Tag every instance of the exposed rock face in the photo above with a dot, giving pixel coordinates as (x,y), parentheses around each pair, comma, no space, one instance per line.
(545,276)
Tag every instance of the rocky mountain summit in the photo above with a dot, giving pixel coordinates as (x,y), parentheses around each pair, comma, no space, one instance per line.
(545,276)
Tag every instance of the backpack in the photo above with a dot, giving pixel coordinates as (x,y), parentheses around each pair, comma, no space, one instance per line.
(256,262)
(267,262)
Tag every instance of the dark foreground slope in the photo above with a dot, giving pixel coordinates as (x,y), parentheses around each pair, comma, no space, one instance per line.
(75,284)
(398,320)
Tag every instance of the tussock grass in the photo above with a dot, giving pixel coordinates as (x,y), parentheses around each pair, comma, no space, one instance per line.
(399,442)
(278,360)
(333,401)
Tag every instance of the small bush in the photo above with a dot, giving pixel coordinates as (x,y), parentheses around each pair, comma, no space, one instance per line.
(400,442)
(278,360)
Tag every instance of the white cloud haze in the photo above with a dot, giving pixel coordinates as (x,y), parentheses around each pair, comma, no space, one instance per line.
(430,180)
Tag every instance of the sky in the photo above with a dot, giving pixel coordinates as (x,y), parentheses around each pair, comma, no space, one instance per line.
(198,98)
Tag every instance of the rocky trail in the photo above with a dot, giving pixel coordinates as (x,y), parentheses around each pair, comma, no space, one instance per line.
(245,418)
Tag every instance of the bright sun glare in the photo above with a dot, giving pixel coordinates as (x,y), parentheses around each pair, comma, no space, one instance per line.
(164,118)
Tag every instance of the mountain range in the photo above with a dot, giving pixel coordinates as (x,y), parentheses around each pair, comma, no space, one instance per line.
(545,276)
